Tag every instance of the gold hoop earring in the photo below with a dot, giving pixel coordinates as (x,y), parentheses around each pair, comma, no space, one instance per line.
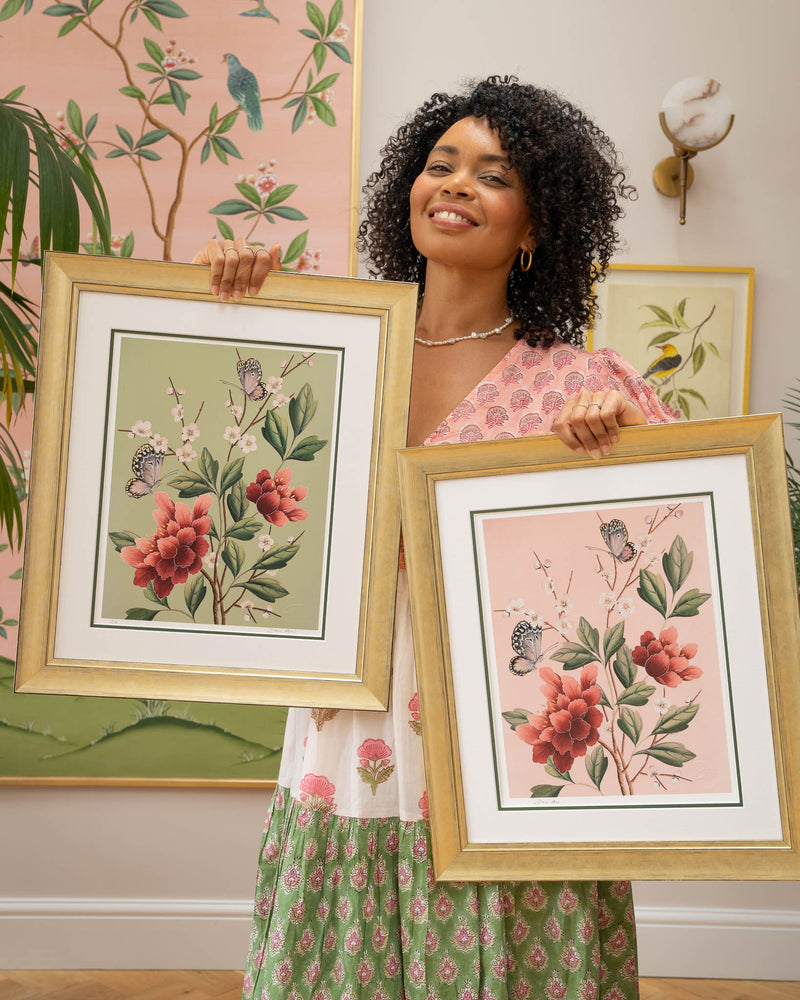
(525,263)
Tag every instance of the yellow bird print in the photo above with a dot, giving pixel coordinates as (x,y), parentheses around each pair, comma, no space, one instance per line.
(666,363)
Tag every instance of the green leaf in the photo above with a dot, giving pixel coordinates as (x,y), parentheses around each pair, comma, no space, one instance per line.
(140,614)
(132,92)
(227,147)
(116,153)
(16,575)
(662,338)
(151,68)
(546,791)
(250,193)
(624,667)
(179,96)
(287,212)
(213,115)
(678,315)
(638,694)
(164,99)
(194,593)
(167,8)
(683,405)
(300,114)
(59,10)
(74,117)
(233,557)
(698,358)
(554,772)
(516,717)
(9,9)
(245,529)
(613,640)
(126,249)
(147,154)
(340,50)
(676,719)
(154,135)
(189,484)
(323,84)
(307,449)
(596,766)
(155,52)
(231,206)
(227,122)
(225,230)
(237,501)
(689,604)
(231,474)
(630,722)
(677,563)
(275,432)
(185,74)
(589,636)
(320,54)
(673,754)
(695,395)
(68,26)
(120,539)
(324,111)
(279,556)
(125,135)
(16,93)
(316,17)
(295,248)
(653,591)
(302,408)
(662,314)
(574,656)
(712,348)
(266,590)
(281,193)
(335,16)
(309,33)
(209,467)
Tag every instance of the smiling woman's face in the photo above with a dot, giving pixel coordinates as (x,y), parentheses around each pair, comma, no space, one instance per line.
(468,206)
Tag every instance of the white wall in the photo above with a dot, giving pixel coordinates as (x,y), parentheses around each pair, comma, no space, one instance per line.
(145,878)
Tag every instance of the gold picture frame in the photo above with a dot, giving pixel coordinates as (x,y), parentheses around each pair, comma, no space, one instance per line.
(506,540)
(321,367)
(687,329)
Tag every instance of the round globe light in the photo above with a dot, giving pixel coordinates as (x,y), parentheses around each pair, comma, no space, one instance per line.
(698,113)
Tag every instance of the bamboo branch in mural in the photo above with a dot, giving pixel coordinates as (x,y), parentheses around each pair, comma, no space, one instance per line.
(158,84)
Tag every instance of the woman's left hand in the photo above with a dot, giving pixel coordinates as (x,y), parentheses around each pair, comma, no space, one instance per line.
(591,422)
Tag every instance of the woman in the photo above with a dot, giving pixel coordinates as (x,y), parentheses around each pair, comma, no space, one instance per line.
(501,202)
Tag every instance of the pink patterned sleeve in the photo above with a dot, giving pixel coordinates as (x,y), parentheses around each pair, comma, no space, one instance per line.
(623,376)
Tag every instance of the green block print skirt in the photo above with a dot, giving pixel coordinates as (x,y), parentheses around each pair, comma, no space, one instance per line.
(348,909)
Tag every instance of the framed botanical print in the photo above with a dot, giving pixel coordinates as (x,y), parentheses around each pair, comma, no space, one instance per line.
(205,519)
(606,655)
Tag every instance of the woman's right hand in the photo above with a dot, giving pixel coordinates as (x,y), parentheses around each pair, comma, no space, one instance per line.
(237,268)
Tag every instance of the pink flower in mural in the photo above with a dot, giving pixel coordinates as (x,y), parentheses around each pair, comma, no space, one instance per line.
(664,659)
(569,723)
(374,756)
(309,261)
(317,792)
(413,707)
(177,548)
(276,501)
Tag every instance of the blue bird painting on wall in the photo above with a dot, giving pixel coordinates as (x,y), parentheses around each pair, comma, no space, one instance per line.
(243,88)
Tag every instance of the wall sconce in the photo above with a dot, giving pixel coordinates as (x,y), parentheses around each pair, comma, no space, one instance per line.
(696,114)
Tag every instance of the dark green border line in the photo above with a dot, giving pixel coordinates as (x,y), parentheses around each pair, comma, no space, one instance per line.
(631,501)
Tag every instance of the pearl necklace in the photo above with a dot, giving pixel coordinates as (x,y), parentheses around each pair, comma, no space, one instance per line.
(470,336)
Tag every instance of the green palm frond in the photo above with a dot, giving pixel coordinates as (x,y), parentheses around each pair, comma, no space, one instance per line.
(32,157)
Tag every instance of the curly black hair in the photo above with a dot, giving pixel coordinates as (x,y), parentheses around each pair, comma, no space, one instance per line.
(574,181)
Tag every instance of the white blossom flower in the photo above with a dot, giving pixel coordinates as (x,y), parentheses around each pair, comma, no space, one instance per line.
(565,624)
(232,434)
(641,542)
(279,400)
(515,606)
(177,413)
(180,392)
(245,603)
(186,454)
(237,411)
(563,604)
(608,600)
(625,607)
(549,585)
(662,706)
(272,572)
(273,383)
(159,443)
(130,435)
(143,428)
(534,619)
(247,442)
(170,391)
(190,432)
(210,560)
(265,542)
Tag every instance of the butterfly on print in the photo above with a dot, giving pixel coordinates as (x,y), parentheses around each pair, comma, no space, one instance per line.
(249,373)
(615,535)
(146,468)
(526,641)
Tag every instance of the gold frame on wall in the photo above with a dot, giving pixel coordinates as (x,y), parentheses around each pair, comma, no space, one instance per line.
(442,491)
(73,286)
(659,323)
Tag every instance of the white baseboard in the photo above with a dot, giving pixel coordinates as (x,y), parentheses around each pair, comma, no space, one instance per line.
(674,942)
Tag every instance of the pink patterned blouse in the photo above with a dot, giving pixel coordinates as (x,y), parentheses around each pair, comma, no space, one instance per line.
(369,764)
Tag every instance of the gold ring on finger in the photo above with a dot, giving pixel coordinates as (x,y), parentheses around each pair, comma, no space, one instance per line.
(593,403)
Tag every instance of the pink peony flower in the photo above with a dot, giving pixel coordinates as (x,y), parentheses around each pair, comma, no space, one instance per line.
(275,500)
(664,659)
